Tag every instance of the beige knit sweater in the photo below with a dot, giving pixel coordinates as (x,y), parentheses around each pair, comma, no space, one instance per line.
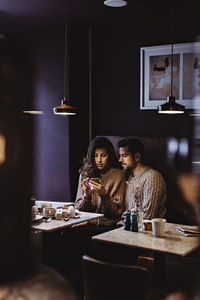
(153,193)
(111,204)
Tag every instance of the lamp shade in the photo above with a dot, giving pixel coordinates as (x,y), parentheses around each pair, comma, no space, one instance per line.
(115,3)
(171,107)
(33,112)
(64,109)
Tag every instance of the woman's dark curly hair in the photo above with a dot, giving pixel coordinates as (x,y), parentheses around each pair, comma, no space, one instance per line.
(89,168)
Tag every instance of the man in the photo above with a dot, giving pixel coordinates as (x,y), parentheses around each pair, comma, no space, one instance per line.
(149,182)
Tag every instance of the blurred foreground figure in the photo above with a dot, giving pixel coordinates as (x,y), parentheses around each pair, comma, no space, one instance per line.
(21,275)
(190,189)
(42,284)
(186,157)
(176,296)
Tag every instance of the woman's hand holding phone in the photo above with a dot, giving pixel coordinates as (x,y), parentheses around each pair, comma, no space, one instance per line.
(95,185)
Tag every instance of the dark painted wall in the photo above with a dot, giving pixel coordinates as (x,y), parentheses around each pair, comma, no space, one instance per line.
(116,83)
(115,93)
(50,140)
(79,88)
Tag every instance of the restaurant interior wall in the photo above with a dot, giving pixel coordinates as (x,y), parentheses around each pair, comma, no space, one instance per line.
(50,140)
(115,94)
(116,84)
(51,179)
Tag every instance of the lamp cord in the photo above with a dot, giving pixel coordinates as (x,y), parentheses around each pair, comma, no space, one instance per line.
(172,64)
(65,60)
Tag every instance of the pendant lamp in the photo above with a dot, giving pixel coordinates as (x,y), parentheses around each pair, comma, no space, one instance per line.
(115,3)
(171,107)
(65,109)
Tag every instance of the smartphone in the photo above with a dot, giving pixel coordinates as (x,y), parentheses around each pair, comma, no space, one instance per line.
(97,180)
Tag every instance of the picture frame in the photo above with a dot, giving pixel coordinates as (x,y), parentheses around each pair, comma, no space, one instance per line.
(155,75)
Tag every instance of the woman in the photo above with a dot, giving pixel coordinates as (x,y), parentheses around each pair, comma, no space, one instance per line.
(107,195)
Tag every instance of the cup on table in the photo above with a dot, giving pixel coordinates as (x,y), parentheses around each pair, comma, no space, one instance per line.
(158,227)
(65,213)
(49,212)
(147,225)
(42,204)
(58,214)
(34,212)
(71,212)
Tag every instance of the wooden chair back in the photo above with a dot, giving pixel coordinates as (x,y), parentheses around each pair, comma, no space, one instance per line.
(106,281)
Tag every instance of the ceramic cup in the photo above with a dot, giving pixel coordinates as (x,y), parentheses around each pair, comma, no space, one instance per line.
(158,227)
(42,204)
(49,212)
(71,212)
(147,225)
(65,213)
(58,214)
(34,212)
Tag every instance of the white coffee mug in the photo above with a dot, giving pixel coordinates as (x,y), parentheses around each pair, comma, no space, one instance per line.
(158,227)
(71,212)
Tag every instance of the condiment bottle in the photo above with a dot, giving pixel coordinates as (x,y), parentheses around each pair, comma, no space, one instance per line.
(134,221)
(127,221)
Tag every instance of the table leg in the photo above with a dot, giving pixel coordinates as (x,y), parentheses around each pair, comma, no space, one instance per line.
(36,243)
(159,268)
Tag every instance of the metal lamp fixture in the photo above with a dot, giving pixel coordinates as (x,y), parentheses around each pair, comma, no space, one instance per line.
(171,107)
(115,3)
(65,109)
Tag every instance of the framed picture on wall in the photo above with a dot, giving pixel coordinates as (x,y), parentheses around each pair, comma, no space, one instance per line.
(155,75)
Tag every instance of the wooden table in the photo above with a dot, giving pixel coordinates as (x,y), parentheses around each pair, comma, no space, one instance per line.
(54,225)
(53,204)
(173,243)
(40,230)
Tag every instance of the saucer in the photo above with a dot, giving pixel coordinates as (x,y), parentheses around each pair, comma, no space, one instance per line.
(37,218)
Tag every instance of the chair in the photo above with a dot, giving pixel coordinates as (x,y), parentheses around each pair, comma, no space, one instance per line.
(107,281)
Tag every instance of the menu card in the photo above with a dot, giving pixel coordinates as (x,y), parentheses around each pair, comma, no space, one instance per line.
(189,230)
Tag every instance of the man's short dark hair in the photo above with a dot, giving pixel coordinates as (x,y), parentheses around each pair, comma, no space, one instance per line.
(134,146)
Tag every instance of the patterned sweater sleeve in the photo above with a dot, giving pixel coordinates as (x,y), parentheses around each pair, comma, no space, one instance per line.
(82,203)
(154,190)
(112,203)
